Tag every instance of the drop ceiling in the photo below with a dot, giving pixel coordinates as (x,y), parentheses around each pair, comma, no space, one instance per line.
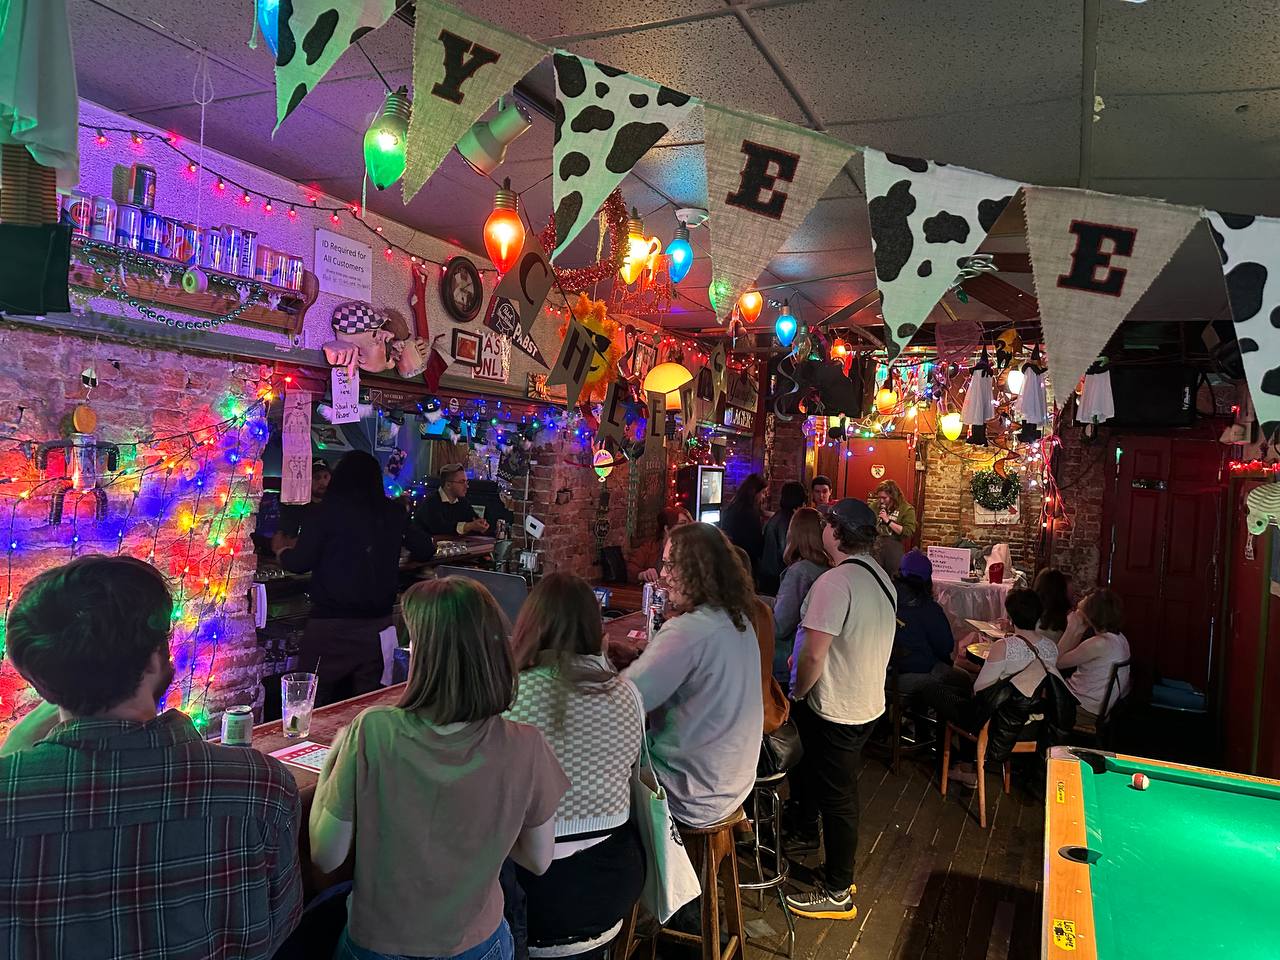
(1190,110)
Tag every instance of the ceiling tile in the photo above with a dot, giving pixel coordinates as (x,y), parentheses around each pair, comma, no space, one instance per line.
(838,224)
(568,18)
(1260,195)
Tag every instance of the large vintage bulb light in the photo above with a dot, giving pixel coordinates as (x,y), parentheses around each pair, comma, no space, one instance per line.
(680,253)
(504,231)
(640,250)
(384,141)
(784,328)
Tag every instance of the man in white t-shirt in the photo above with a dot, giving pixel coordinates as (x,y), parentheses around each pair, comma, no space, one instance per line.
(847,622)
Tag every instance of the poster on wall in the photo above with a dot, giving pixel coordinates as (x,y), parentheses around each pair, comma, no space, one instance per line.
(986,518)
(495,358)
(344,266)
(295,447)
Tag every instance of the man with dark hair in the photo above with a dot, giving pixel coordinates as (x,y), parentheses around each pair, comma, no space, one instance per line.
(448,512)
(128,835)
(820,493)
(846,634)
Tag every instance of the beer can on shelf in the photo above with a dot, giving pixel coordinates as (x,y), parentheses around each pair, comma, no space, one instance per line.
(248,254)
(78,208)
(237,726)
(102,225)
(235,247)
(129,226)
(154,237)
(291,276)
(266,267)
(213,249)
(185,242)
(142,186)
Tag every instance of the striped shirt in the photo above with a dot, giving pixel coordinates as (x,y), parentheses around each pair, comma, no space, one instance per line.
(127,841)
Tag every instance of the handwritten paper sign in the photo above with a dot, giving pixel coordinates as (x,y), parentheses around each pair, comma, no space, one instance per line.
(344,266)
(503,318)
(950,563)
(495,358)
(295,444)
(344,385)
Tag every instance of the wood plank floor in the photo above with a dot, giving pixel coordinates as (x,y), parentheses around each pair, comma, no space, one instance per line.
(931,883)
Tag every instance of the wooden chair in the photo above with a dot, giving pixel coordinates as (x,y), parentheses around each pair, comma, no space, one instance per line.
(712,851)
(1101,727)
(624,944)
(980,740)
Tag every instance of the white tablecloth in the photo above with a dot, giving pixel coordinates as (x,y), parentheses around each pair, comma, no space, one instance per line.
(970,601)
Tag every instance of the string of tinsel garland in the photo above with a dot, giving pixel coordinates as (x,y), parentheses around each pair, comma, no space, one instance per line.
(578,279)
(994,492)
(116,290)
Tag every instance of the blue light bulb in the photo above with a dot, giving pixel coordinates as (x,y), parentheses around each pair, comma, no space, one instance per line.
(268,23)
(681,254)
(784,328)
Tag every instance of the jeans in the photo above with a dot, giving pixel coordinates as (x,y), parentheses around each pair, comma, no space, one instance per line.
(498,947)
(826,783)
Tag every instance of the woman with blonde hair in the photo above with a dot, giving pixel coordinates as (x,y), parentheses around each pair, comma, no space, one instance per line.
(806,560)
(700,676)
(894,516)
(434,793)
(593,721)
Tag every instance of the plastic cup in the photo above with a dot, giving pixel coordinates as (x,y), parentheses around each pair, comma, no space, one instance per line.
(995,573)
(298,699)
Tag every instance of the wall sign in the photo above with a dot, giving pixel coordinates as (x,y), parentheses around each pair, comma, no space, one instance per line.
(744,393)
(984,517)
(344,266)
(740,419)
(495,358)
(344,387)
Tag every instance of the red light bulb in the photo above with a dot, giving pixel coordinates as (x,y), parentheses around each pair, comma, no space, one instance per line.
(503,231)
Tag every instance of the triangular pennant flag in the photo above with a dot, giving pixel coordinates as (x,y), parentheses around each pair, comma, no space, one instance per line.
(460,67)
(613,416)
(313,34)
(688,409)
(719,367)
(578,356)
(502,317)
(606,120)
(1250,254)
(528,281)
(763,178)
(1093,256)
(925,218)
(656,430)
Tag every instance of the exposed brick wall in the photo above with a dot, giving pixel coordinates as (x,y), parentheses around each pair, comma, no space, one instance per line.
(1076,542)
(141,393)
(786,455)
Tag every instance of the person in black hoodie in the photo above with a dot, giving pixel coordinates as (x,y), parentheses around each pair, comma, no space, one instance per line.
(743,519)
(351,547)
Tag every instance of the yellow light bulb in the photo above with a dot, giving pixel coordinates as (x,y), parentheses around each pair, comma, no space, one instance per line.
(952,426)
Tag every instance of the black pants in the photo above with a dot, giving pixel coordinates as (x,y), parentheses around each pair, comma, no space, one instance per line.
(349,655)
(826,783)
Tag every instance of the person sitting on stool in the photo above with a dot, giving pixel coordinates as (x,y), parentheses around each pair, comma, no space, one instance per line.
(449,513)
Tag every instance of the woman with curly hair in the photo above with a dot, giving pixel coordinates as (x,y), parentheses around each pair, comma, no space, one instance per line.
(894,516)
(700,678)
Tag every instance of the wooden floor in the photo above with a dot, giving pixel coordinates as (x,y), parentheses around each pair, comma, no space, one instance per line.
(931,883)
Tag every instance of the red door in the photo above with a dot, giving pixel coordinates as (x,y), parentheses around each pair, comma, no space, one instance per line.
(867,463)
(1165,508)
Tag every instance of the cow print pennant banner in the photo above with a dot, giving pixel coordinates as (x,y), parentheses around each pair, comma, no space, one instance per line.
(763,178)
(925,218)
(606,120)
(313,35)
(1093,256)
(1249,248)
(460,67)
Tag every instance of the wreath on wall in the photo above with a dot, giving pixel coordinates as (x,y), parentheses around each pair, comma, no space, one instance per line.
(994,492)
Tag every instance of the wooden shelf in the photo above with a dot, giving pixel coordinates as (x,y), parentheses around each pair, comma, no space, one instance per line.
(286,318)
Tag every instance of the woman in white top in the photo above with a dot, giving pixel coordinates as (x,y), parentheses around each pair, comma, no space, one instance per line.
(1101,612)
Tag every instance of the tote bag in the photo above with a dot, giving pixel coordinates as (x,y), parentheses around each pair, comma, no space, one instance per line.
(669,880)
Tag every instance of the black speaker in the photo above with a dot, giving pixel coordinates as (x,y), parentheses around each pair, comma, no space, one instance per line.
(1154,396)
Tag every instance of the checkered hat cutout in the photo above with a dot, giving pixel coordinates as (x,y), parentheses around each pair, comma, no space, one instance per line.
(356,317)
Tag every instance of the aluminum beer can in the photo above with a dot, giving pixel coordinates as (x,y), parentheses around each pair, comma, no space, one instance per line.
(235,248)
(102,225)
(78,208)
(154,234)
(129,226)
(142,186)
(237,726)
(185,242)
(213,249)
(266,267)
(248,254)
(291,276)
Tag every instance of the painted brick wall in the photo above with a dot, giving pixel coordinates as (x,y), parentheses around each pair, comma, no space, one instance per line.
(174,517)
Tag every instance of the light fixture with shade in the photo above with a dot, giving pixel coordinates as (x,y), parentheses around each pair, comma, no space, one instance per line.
(641,250)
(384,141)
(886,399)
(680,253)
(268,23)
(785,327)
(484,146)
(504,231)
(1014,380)
(666,378)
(751,303)
(952,425)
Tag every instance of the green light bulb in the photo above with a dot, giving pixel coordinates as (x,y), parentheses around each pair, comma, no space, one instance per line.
(386,139)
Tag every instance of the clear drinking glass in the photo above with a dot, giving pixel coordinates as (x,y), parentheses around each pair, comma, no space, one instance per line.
(298,698)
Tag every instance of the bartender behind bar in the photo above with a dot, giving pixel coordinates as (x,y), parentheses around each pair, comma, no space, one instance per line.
(449,513)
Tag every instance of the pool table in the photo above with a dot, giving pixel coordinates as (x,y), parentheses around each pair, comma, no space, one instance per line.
(1188,867)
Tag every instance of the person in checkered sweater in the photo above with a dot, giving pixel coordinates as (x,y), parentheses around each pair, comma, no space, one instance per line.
(593,720)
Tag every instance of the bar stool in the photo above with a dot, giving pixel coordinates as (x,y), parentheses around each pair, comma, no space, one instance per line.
(711,849)
(766,789)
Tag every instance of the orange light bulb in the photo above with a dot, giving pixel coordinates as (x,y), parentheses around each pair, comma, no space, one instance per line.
(750,304)
(504,231)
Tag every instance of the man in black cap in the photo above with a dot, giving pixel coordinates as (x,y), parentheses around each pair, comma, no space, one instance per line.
(842,653)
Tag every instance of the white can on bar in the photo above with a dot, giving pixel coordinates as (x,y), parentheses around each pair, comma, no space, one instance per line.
(237,726)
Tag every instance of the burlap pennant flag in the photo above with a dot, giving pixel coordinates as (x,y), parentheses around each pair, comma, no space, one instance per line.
(763,178)
(460,67)
(1250,252)
(925,218)
(1093,256)
(606,120)
(529,281)
(313,34)
(577,357)
(613,417)
(718,364)
(656,430)
(689,409)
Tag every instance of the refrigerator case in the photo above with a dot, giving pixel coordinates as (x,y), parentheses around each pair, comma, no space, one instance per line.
(701,491)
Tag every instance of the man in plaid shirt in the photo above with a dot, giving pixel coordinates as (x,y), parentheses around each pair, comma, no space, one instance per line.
(123,834)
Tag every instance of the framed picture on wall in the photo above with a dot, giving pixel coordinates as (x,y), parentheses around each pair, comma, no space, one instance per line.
(466,348)
(326,436)
(646,357)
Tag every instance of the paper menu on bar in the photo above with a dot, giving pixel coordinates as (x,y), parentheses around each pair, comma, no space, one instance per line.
(307,755)
(988,629)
